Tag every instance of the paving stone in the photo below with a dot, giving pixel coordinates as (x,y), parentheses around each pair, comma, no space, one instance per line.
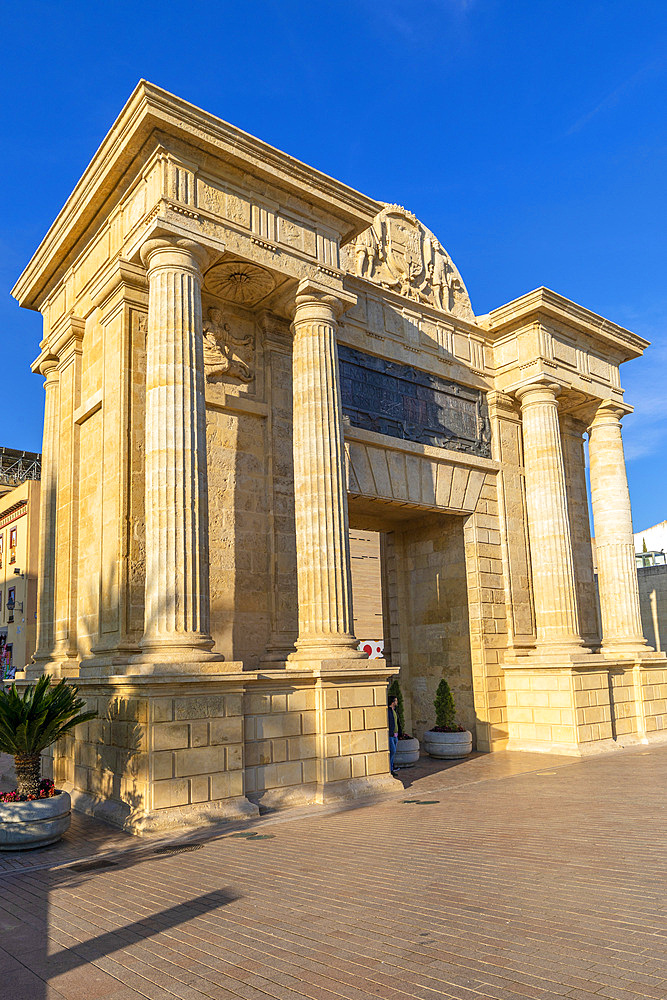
(514,885)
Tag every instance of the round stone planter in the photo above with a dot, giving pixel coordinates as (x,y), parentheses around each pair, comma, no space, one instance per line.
(448,744)
(24,825)
(407,752)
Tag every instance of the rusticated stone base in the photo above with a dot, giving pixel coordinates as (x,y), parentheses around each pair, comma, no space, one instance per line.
(171,749)
(585,708)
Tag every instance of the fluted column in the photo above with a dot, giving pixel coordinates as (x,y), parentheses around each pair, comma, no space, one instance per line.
(322,538)
(614,543)
(177,614)
(554,590)
(47,518)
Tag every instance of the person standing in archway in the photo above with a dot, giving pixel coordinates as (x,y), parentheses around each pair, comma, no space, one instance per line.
(394,729)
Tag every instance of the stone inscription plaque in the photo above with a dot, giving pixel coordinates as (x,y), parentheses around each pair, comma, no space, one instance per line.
(414,405)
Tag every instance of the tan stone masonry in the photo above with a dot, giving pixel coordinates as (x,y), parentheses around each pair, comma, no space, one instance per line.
(242,358)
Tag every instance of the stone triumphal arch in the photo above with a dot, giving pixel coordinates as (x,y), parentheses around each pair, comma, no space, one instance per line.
(242,357)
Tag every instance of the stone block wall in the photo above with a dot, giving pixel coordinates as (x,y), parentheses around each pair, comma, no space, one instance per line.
(280,741)
(106,762)
(353,730)
(578,710)
(434,623)
(627,720)
(593,710)
(653,682)
(146,758)
(541,707)
(304,740)
(197,749)
(488,616)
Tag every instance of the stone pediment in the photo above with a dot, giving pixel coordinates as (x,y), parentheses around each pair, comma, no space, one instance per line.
(398,252)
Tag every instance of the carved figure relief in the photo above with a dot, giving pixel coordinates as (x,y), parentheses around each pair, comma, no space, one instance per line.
(220,354)
(400,253)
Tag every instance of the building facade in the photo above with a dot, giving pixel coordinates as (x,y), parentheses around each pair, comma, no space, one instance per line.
(243,359)
(19,534)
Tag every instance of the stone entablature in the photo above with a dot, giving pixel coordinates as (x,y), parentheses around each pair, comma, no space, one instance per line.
(200,478)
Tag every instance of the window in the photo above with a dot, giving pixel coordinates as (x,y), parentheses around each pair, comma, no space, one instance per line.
(11,595)
(12,545)
(2,545)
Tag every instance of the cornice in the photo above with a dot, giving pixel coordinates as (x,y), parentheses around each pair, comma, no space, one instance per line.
(150,110)
(544,302)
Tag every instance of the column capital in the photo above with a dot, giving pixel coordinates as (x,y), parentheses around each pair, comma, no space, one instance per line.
(175,252)
(610,412)
(46,364)
(315,293)
(120,275)
(67,336)
(540,391)
(501,401)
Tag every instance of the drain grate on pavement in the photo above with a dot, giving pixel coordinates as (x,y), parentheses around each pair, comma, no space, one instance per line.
(421,802)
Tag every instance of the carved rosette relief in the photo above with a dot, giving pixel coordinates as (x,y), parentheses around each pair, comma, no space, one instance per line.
(240,281)
(400,253)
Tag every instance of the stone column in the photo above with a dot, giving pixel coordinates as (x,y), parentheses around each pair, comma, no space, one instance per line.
(322,538)
(47,519)
(614,543)
(177,612)
(548,522)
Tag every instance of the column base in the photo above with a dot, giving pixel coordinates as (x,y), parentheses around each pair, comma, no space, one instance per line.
(194,647)
(140,666)
(55,668)
(278,649)
(549,656)
(630,650)
(320,650)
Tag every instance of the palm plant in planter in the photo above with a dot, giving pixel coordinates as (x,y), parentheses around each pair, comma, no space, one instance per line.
(447,738)
(35,813)
(407,751)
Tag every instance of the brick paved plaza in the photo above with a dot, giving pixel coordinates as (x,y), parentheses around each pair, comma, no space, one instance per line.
(505,876)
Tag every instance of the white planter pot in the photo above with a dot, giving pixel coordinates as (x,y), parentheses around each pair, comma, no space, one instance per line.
(448,744)
(34,824)
(407,752)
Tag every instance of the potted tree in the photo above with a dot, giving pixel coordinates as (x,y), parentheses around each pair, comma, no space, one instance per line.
(35,813)
(407,751)
(447,738)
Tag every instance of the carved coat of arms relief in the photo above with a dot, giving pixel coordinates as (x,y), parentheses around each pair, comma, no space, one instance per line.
(400,253)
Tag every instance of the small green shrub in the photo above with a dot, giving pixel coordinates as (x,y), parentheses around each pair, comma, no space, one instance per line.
(31,722)
(445,709)
(394,690)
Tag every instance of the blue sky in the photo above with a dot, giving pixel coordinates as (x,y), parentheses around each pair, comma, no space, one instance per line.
(530,136)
